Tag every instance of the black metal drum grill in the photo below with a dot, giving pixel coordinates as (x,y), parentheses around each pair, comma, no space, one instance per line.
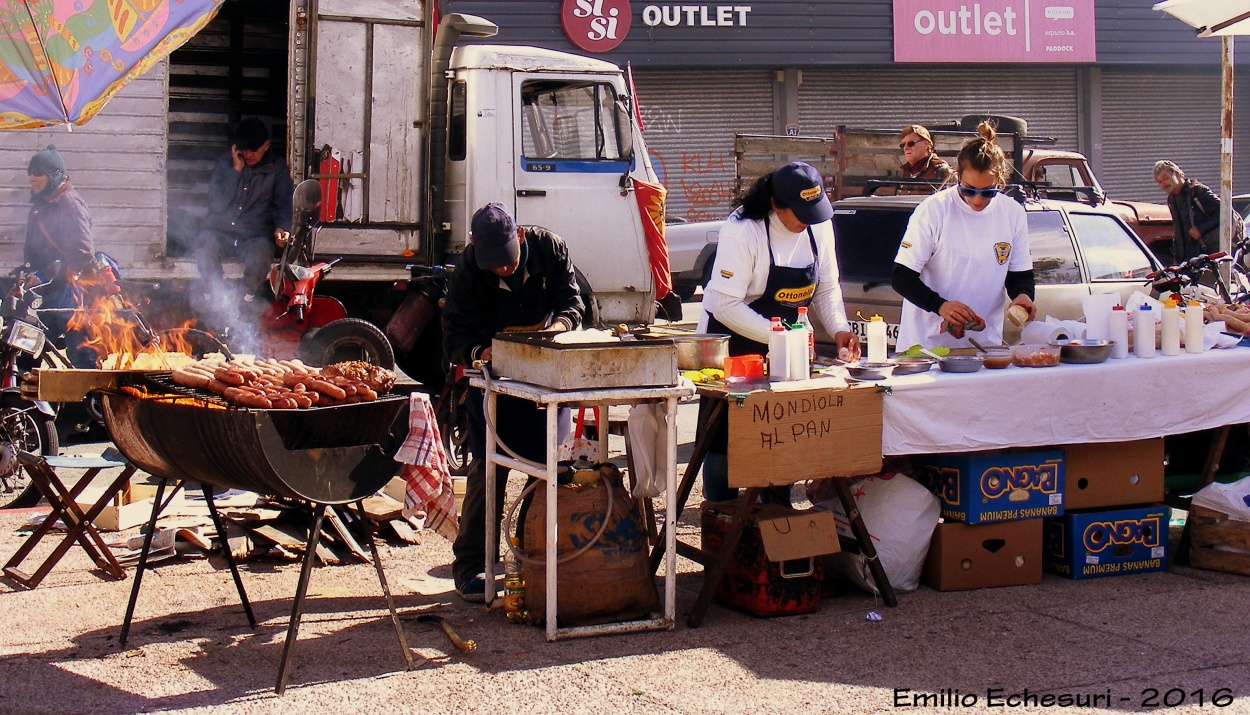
(332,455)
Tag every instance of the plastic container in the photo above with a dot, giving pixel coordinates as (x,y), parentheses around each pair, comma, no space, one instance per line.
(997,358)
(1170,329)
(1035,355)
(1144,332)
(1118,331)
(778,353)
(876,339)
(806,321)
(744,367)
(1193,327)
(796,350)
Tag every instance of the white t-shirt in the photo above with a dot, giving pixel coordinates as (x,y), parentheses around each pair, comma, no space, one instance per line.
(740,274)
(964,255)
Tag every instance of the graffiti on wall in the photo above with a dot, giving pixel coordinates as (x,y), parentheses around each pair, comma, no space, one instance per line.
(700,183)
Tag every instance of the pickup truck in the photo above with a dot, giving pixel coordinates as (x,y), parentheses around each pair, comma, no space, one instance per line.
(854,158)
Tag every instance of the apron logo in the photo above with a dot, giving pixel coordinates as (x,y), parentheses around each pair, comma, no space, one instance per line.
(1002,251)
(809,194)
(795,296)
(726,274)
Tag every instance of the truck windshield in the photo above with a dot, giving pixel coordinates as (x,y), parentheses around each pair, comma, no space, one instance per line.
(568,120)
(1109,248)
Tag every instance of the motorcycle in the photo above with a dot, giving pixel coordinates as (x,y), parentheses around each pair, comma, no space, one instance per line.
(26,425)
(299,323)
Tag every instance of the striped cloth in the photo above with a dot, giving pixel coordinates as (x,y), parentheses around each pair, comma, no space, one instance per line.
(429,493)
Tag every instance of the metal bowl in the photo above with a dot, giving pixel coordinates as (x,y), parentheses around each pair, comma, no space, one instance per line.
(961,363)
(911,366)
(1083,352)
(695,352)
(870,370)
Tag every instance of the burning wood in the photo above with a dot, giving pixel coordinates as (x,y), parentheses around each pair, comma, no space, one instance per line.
(116,331)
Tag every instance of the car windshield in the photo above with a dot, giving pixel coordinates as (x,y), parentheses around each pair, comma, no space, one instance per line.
(1109,248)
(867,242)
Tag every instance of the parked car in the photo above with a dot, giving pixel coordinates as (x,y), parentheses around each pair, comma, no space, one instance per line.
(691,250)
(1077,250)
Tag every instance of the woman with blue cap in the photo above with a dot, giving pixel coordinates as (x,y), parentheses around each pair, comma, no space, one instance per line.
(775,255)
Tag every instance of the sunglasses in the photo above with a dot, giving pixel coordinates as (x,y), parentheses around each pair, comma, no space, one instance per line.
(968,192)
(910,144)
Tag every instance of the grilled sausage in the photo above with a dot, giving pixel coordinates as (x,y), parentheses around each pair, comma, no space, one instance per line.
(328,389)
(191,379)
(229,376)
(247,398)
(366,392)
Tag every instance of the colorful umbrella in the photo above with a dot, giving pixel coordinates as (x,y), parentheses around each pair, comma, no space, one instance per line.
(62,60)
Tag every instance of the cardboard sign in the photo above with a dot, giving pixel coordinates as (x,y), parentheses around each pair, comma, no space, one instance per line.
(786,437)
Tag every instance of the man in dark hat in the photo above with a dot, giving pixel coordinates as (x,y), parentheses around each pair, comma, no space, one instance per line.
(249,209)
(509,278)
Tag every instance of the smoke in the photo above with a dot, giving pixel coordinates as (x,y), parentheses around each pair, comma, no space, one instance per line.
(223,312)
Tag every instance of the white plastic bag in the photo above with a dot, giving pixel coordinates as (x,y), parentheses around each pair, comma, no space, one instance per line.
(648,446)
(1231,499)
(575,444)
(900,516)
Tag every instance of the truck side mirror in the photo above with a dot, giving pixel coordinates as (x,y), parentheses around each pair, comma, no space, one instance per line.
(624,129)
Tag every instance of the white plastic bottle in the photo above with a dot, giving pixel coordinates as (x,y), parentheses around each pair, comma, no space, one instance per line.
(1144,332)
(806,321)
(800,365)
(778,359)
(876,339)
(1117,327)
(1193,327)
(1170,329)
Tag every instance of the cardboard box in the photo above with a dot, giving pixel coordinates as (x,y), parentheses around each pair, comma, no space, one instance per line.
(1118,542)
(1101,476)
(985,487)
(787,436)
(967,556)
(776,567)
(1218,542)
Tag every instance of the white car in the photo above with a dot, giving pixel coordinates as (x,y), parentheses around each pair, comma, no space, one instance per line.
(691,250)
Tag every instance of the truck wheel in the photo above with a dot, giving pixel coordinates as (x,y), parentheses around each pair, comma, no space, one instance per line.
(348,339)
(1003,123)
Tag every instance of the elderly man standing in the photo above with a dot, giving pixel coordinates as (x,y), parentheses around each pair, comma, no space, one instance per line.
(920,163)
(249,209)
(509,278)
(1195,212)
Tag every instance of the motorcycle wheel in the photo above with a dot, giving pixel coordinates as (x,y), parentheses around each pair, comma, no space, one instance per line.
(453,426)
(23,428)
(348,339)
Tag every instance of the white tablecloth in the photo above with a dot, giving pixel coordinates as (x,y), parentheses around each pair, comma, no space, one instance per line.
(1114,401)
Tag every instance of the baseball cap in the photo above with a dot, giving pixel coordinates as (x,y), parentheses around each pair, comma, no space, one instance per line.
(494,237)
(917,130)
(799,187)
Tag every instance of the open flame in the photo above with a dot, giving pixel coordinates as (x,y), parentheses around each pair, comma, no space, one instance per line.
(120,338)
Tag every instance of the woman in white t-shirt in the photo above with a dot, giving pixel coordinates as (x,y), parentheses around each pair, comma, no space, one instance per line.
(965,252)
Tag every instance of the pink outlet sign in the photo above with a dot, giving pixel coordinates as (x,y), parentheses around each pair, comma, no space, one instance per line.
(994,31)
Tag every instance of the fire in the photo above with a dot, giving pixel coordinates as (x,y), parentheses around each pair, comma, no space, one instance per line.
(120,338)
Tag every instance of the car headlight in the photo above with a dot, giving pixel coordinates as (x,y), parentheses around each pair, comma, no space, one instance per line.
(25,337)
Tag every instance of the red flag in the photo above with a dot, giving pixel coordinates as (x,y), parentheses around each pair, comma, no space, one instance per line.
(651,198)
(633,95)
(435,16)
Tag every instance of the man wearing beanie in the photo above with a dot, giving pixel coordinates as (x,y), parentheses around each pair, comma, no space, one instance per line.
(249,209)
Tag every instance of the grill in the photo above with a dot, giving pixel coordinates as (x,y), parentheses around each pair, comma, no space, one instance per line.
(326,456)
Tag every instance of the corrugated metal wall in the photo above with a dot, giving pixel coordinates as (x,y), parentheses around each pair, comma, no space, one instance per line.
(1151,114)
(117,163)
(881,98)
(691,116)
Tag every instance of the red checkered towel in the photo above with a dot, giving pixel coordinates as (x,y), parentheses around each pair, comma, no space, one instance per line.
(429,491)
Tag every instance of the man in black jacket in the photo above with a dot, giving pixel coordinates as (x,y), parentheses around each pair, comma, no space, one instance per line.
(1195,212)
(249,209)
(509,278)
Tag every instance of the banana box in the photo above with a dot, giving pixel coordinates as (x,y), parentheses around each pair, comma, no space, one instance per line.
(987,487)
(1090,544)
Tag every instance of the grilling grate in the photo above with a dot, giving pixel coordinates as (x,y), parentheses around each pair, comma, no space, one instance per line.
(164,382)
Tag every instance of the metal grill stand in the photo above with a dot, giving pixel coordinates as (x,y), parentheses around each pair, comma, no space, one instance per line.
(306,566)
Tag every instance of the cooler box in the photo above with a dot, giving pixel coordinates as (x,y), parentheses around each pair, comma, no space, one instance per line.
(984,487)
(777,567)
(1107,543)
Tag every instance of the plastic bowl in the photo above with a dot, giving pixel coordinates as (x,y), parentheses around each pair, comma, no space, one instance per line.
(1035,355)
(1083,352)
(997,358)
(961,363)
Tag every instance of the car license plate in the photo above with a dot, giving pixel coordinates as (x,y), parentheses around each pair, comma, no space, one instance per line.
(860,328)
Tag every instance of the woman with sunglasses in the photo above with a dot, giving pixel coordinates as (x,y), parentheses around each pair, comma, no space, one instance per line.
(966,250)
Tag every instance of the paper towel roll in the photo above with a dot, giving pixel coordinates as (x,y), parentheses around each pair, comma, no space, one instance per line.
(1036,333)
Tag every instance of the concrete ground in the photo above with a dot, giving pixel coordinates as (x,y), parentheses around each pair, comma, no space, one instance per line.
(1181,634)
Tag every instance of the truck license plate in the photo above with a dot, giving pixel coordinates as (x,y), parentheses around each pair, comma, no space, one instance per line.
(860,328)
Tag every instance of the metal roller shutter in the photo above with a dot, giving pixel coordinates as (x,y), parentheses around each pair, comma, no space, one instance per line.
(1147,116)
(690,117)
(893,97)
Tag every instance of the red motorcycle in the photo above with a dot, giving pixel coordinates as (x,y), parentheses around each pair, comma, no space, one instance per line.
(299,323)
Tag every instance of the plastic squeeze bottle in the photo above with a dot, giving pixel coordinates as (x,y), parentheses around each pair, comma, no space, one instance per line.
(1170,329)
(876,339)
(806,322)
(800,365)
(1144,332)
(1193,327)
(778,365)
(1117,325)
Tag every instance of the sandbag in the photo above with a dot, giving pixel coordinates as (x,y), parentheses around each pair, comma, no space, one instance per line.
(612,580)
